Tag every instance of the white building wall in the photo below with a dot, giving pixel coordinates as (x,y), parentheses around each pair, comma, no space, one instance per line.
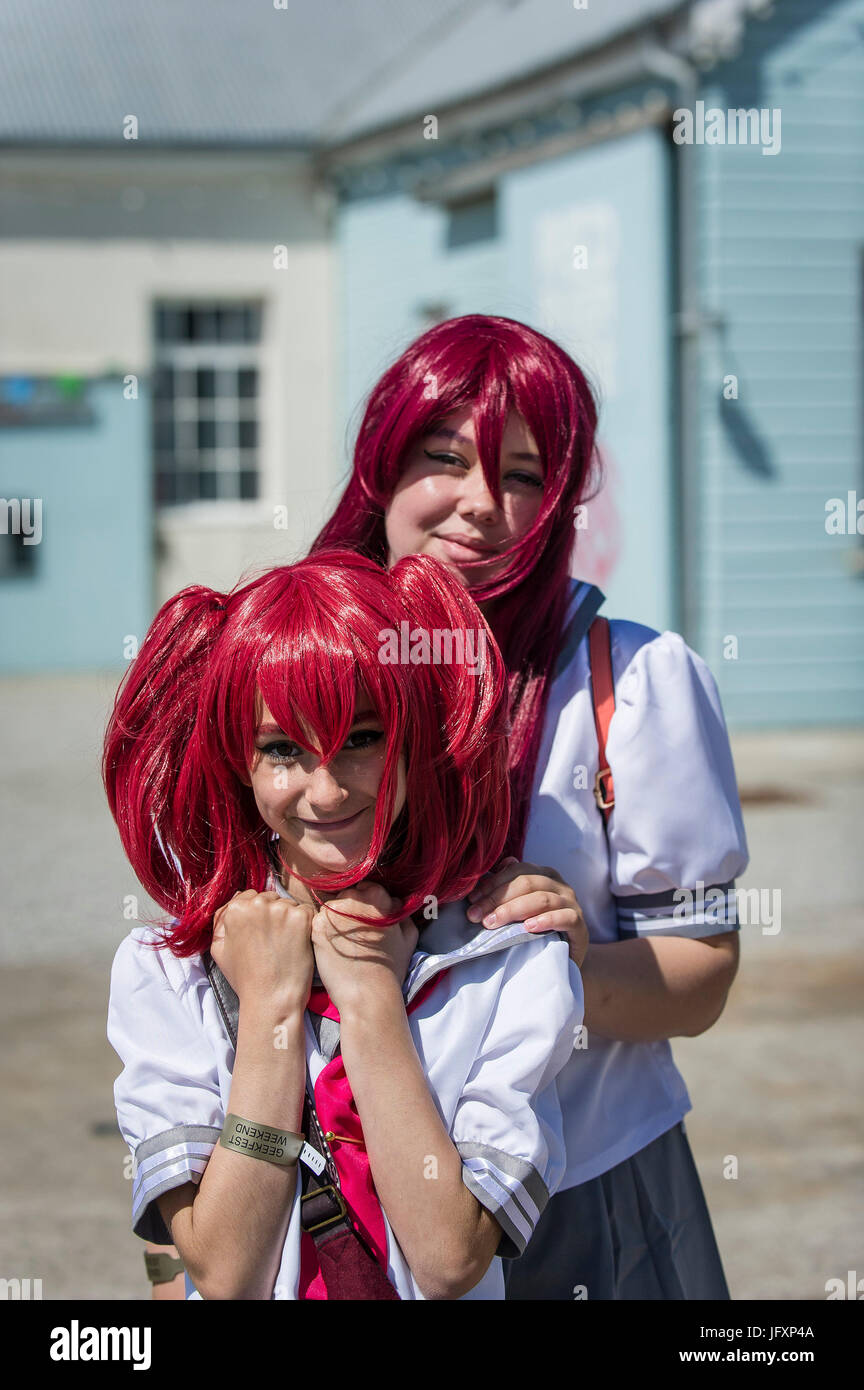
(90,241)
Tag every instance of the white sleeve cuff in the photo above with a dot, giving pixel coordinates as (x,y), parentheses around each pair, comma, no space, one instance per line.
(707,910)
(510,1188)
(167,1160)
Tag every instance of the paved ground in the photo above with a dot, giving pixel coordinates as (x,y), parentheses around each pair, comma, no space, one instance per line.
(777,1083)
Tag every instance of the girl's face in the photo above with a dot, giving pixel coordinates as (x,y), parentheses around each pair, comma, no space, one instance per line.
(442,506)
(324,816)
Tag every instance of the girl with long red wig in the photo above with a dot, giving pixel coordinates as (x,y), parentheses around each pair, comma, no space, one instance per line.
(295,769)
(477,447)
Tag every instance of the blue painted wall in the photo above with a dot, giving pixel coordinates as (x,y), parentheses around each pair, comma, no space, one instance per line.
(782,241)
(394,260)
(613,316)
(92,584)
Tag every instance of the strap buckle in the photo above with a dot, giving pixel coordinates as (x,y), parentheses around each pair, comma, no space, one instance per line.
(162,1268)
(600,790)
(333,1220)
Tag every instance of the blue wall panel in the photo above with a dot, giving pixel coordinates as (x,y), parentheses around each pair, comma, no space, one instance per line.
(782,239)
(92,580)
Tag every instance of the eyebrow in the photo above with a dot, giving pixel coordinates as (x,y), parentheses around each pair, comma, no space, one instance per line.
(525,456)
(443,433)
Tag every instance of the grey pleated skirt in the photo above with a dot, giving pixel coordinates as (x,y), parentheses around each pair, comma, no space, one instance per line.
(640,1231)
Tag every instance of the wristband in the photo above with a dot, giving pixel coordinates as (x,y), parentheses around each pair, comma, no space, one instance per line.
(261,1141)
(162,1268)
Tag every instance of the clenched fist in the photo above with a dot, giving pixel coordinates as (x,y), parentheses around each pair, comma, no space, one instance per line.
(262,943)
(360,965)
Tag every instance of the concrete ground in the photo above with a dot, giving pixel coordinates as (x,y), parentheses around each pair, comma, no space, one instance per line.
(776,1084)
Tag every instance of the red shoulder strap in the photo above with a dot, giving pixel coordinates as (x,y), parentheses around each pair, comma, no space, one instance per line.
(603,694)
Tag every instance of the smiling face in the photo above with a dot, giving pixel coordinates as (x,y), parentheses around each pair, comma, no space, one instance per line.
(442,505)
(324,815)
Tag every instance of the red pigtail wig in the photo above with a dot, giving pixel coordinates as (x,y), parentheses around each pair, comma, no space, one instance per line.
(305,639)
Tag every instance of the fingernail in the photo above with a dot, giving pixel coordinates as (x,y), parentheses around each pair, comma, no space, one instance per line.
(474,914)
(490,920)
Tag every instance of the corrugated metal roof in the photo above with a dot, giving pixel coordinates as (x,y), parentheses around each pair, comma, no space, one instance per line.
(495,42)
(225,72)
(197,71)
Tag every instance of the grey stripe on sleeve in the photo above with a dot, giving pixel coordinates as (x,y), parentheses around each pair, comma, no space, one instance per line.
(518,1168)
(512,1243)
(171,1162)
(632,902)
(180,1134)
(663,927)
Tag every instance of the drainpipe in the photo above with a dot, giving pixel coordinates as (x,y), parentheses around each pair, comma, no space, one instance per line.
(689,323)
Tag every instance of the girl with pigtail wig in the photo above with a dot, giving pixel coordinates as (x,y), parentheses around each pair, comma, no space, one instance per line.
(304,638)
(309,774)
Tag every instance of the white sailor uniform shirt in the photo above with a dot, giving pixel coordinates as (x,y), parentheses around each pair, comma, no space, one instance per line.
(491,1037)
(676,823)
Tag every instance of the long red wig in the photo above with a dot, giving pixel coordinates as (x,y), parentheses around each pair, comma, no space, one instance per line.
(492,365)
(306,639)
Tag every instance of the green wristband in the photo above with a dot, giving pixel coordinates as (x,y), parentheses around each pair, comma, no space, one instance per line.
(261,1141)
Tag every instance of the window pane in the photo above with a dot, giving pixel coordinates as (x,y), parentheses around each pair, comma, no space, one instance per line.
(184,383)
(232,325)
(209,483)
(172,325)
(163,384)
(247,434)
(253,323)
(247,382)
(163,434)
(205,383)
(248,484)
(206,434)
(204,326)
